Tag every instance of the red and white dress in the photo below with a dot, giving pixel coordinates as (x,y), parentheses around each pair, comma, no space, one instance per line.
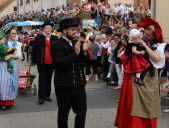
(133,63)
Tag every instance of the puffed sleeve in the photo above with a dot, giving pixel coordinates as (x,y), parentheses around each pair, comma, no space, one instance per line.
(160,52)
(18,52)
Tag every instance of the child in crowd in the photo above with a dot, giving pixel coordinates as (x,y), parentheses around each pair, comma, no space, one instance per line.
(111,57)
(98,41)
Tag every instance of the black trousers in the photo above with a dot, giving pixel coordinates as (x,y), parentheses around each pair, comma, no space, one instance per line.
(71,97)
(45,75)
(92,63)
(106,64)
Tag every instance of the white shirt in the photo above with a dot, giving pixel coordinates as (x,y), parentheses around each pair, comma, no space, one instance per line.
(115,10)
(99,53)
(67,40)
(47,37)
(18,47)
(126,10)
(106,45)
(88,35)
(106,11)
(89,6)
(121,9)
(149,11)
(110,56)
(131,9)
(160,52)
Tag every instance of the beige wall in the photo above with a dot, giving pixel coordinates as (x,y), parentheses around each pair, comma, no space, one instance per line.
(9,9)
(162,16)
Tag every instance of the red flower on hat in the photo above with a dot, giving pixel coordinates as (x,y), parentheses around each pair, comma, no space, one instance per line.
(146,22)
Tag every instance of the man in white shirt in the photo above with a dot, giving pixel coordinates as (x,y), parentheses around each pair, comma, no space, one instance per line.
(120,11)
(130,10)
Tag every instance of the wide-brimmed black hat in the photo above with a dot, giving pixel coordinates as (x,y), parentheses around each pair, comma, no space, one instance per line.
(47,23)
(67,23)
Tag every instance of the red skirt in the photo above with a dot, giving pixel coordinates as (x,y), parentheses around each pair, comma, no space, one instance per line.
(136,64)
(123,117)
(7,103)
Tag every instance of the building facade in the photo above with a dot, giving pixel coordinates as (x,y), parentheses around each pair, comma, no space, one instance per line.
(7,7)
(37,5)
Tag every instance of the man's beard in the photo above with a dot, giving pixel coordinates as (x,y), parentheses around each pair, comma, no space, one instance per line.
(69,37)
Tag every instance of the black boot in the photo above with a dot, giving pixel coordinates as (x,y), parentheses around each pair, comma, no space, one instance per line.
(48,99)
(139,81)
(40,102)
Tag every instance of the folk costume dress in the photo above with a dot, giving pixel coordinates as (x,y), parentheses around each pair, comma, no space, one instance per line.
(139,106)
(9,81)
(134,63)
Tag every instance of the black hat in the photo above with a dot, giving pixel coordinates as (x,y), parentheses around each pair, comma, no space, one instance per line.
(47,23)
(108,31)
(67,23)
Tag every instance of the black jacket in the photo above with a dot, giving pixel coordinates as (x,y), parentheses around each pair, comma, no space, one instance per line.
(115,52)
(38,49)
(69,71)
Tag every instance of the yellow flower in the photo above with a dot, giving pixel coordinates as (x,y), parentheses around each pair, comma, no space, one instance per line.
(27,70)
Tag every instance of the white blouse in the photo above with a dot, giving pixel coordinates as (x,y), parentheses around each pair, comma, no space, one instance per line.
(18,47)
(160,52)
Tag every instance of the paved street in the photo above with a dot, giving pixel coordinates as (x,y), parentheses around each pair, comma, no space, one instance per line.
(101,112)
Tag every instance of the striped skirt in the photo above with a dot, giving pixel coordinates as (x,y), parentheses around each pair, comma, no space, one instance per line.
(7,93)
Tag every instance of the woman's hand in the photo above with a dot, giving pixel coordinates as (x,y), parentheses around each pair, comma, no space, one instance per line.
(142,43)
(152,54)
(7,57)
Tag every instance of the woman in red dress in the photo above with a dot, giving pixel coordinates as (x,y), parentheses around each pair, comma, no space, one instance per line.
(139,106)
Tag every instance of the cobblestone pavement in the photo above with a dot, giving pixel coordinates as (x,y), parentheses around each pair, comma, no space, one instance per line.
(101,112)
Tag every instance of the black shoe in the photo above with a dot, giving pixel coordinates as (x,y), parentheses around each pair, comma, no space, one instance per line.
(139,81)
(104,79)
(107,80)
(4,108)
(110,84)
(40,102)
(48,99)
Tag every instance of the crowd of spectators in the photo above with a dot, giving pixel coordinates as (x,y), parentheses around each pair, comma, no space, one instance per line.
(107,13)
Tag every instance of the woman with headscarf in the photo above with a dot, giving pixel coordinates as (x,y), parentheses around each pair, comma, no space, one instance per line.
(9,80)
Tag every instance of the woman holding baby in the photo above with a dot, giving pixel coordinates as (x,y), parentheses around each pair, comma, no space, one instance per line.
(9,80)
(139,105)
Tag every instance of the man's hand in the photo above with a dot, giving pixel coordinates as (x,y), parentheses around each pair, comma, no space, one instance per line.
(86,45)
(77,47)
(142,43)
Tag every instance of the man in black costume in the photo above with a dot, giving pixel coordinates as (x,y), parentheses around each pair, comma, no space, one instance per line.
(69,80)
